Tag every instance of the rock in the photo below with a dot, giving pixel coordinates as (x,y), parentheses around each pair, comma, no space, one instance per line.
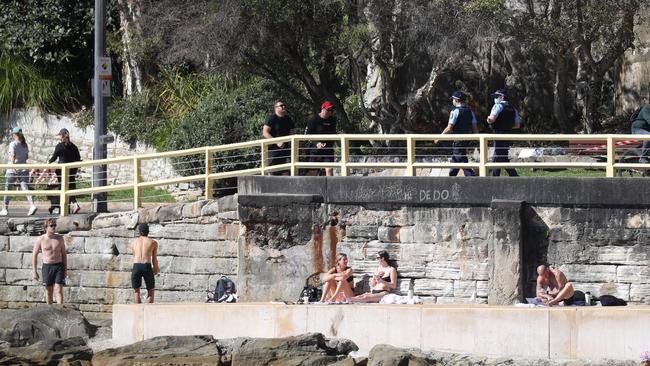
(191,210)
(384,355)
(24,327)
(163,351)
(128,220)
(306,349)
(76,222)
(71,351)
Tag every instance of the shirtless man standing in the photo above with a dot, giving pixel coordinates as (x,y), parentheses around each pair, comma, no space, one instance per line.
(553,287)
(145,252)
(55,263)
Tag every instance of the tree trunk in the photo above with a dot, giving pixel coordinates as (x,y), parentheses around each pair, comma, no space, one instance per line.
(131,34)
(560,92)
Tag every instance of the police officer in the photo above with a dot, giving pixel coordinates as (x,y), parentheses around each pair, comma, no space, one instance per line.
(503,118)
(461,121)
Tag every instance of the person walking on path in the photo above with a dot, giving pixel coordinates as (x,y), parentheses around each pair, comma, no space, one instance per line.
(145,264)
(503,118)
(641,126)
(461,121)
(18,154)
(279,124)
(66,152)
(55,262)
(324,123)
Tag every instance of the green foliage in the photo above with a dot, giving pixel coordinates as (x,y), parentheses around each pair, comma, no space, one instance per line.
(136,118)
(51,31)
(227,115)
(484,7)
(56,37)
(23,85)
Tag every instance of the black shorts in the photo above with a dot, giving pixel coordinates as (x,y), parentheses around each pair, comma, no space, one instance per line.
(139,271)
(279,155)
(53,273)
(324,155)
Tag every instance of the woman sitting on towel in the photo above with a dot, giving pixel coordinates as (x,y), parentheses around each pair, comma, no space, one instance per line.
(338,281)
(383,281)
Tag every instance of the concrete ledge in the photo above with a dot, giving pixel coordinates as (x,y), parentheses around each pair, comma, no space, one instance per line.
(538,333)
(479,191)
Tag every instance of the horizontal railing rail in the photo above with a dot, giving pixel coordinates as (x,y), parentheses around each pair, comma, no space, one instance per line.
(409,152)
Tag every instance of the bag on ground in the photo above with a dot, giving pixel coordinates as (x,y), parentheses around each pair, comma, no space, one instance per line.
(224,291)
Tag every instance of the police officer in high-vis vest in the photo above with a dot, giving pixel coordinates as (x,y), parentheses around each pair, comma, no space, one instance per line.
(461,121)
(503,118)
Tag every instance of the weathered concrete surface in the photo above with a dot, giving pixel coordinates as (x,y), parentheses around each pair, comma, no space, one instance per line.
(494,331)
(580,192)
(506,281)
(282,240)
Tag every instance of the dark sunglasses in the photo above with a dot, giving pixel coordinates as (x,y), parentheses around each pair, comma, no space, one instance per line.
(280,105)
(52,225)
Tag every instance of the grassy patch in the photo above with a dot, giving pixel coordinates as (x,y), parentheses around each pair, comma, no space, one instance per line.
(530,172)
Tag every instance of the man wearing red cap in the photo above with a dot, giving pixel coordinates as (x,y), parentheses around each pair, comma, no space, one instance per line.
(324,123)
(279,124)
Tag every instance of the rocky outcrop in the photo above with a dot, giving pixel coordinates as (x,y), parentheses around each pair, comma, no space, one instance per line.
(51,351)
(384,354)
(163,351)
(307,349)
(24,327)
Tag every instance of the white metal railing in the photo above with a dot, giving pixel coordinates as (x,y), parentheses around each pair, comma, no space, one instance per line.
(205,166)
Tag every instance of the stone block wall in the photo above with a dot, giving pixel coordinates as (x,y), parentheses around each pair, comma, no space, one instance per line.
(602,250)
(443,251)
(197,244)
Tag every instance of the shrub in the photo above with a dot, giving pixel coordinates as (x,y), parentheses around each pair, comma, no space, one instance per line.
(23,85)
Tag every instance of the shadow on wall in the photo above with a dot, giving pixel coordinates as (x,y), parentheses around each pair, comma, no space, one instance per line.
(536,243)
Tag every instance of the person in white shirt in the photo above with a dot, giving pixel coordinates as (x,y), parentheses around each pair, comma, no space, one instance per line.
(18,154)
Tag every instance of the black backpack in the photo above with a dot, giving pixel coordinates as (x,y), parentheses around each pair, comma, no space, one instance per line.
(312,289)
(224,291)
(609,300)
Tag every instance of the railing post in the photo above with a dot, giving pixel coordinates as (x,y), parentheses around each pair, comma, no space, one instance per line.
(264,155)
(137,168)
(410,157)
(483,155)
(611,156)
(208,171)
(63,198)
(345,154)
(294,155)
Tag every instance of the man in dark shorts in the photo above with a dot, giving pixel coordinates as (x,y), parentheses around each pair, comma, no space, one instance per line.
(279,124)
(145,254)
(553,286)
(324,123)
(55,262)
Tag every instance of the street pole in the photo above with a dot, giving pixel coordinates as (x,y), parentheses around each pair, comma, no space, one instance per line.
(99,148)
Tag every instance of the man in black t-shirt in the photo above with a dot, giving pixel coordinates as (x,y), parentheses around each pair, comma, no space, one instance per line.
(278,124)
(324,123)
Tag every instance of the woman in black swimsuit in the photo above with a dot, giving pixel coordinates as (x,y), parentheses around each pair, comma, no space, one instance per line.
(383,281)
(338,281)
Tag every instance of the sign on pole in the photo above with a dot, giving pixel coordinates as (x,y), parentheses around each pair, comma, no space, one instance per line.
(105,86)
(104,68)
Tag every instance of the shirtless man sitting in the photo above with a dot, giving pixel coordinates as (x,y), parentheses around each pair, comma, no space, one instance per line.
(145,252)
(55,262)
(553,287)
